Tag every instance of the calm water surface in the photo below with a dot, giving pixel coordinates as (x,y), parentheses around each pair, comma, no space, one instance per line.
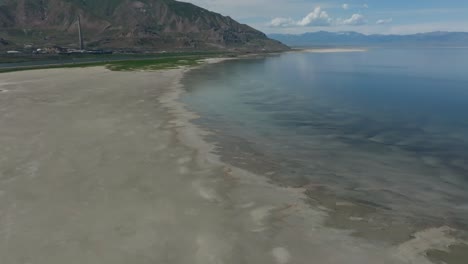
(386,126)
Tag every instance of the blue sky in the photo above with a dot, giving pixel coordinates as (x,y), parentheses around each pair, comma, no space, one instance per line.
(367,16)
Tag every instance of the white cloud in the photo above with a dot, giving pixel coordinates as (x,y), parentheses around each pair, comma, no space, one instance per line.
(282,22)
(318,17)
(355,20)
(365,5)
(384,21)
(345,6)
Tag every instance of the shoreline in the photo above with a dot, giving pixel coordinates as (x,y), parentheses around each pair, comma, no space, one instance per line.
(268,223)
(80,62)
(426,241)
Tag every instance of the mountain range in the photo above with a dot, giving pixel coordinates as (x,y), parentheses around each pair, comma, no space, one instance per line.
(125,24)
(324,38)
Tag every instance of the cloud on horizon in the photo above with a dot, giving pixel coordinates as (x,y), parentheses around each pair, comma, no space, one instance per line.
(384,21)
(318,18)
(355,20)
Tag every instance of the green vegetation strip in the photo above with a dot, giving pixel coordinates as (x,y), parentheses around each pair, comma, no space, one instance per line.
(134,64)
(152,65)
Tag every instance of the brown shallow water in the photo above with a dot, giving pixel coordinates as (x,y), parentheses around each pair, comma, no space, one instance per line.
(105,167)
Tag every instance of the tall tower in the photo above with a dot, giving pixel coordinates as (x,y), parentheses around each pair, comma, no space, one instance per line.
(80,34)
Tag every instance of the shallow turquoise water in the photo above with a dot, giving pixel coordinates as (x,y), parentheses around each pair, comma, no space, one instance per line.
(387,126)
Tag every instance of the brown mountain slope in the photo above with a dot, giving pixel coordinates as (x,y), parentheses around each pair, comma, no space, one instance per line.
(144,24)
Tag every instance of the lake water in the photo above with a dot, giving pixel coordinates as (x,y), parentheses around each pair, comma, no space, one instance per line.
(387,128)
